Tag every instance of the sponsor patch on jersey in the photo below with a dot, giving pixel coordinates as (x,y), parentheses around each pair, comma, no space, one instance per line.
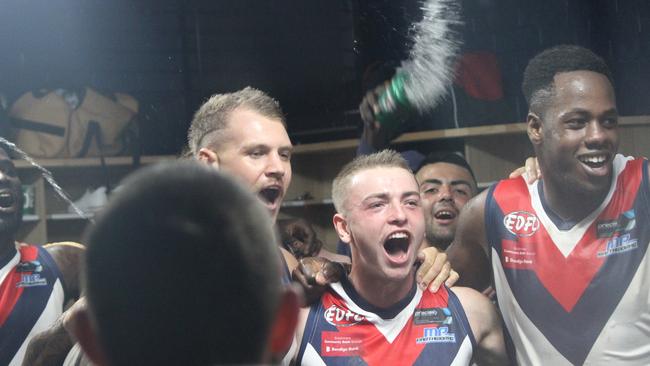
(521,223)
(605,229)
(339,317)
(334,344)
(436,335)
(31,266)
(517,256)
(432,316)
(31,280)
(619,244)
(625,223)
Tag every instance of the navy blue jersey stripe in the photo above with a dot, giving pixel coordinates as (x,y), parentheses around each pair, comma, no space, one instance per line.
(27,310)
(574,333)
(387,313)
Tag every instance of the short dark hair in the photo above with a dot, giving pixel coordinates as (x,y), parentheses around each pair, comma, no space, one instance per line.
(540,72)
(447,157)
(183,268)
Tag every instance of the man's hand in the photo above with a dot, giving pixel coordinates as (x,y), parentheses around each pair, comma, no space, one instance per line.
(373,133)
(299,237)
(434,270)
(51,346)
(315,273)
(530,171)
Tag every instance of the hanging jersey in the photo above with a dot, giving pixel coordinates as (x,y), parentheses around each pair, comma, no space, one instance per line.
(31,299)
(422,329)
(574,293)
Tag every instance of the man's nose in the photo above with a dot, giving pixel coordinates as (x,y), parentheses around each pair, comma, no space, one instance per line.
(445,193)
(276,166)
(596,134)
(397,214)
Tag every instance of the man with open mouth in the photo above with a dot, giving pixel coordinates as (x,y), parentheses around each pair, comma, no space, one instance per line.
(36,280)
(377,315)
(244,133)
(568,252)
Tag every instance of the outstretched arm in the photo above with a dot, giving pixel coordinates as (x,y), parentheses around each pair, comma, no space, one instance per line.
(468,252)
(51,346)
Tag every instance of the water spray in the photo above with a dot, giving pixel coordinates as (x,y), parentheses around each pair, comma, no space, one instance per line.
(423,79)
(47,175)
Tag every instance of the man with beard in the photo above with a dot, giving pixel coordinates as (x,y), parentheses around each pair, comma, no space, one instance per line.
(446,183)
(35,281)
(569,252)
(377,315)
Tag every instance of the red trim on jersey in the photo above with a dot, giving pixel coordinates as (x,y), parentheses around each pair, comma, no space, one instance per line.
(9,291)
(566,279)
(369,343)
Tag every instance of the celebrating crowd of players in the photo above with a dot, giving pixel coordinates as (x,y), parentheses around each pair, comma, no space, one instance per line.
(183,266)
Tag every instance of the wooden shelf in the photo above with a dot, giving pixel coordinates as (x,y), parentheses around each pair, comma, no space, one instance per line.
(304,203)
(69,216)
(466,132)
(492,151)
(91,162)
(30,218)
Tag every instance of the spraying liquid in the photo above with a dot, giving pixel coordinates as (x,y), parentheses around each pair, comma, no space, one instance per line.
(423,79)
(47,175)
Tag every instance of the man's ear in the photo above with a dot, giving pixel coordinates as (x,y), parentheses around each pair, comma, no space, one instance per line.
(535,128)
(341,226)
(208,156)
(284,325)
(82,328)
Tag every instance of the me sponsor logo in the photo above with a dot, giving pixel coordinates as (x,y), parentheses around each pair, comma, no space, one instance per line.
(436,335)
(339,317)
(31,280)
(619,244)
(521,223)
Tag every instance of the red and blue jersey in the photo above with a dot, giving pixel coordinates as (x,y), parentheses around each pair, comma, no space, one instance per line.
(574,292)
(31,299)
(421,329)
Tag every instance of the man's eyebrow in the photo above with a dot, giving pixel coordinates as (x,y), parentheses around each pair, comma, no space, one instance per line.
(453,182)
(410,193)
(375,195)
(609,112)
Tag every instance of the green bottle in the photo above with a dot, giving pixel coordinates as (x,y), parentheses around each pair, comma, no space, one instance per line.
(393,104)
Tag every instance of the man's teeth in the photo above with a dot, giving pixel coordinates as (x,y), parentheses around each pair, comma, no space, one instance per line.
(594,159)
(398,236)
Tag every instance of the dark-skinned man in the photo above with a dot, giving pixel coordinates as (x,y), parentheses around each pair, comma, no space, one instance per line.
(569,252)
(36,281)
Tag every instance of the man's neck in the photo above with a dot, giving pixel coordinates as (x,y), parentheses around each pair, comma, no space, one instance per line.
(380,292)
(571,205)
(7,245)
(438,244)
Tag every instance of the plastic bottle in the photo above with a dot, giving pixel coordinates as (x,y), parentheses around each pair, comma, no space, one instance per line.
(393,103)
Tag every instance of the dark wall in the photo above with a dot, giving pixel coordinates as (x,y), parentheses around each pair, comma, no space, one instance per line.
(173,54)
(516,30)
(311,55)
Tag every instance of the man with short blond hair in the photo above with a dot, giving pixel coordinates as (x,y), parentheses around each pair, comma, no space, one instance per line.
(377,315)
